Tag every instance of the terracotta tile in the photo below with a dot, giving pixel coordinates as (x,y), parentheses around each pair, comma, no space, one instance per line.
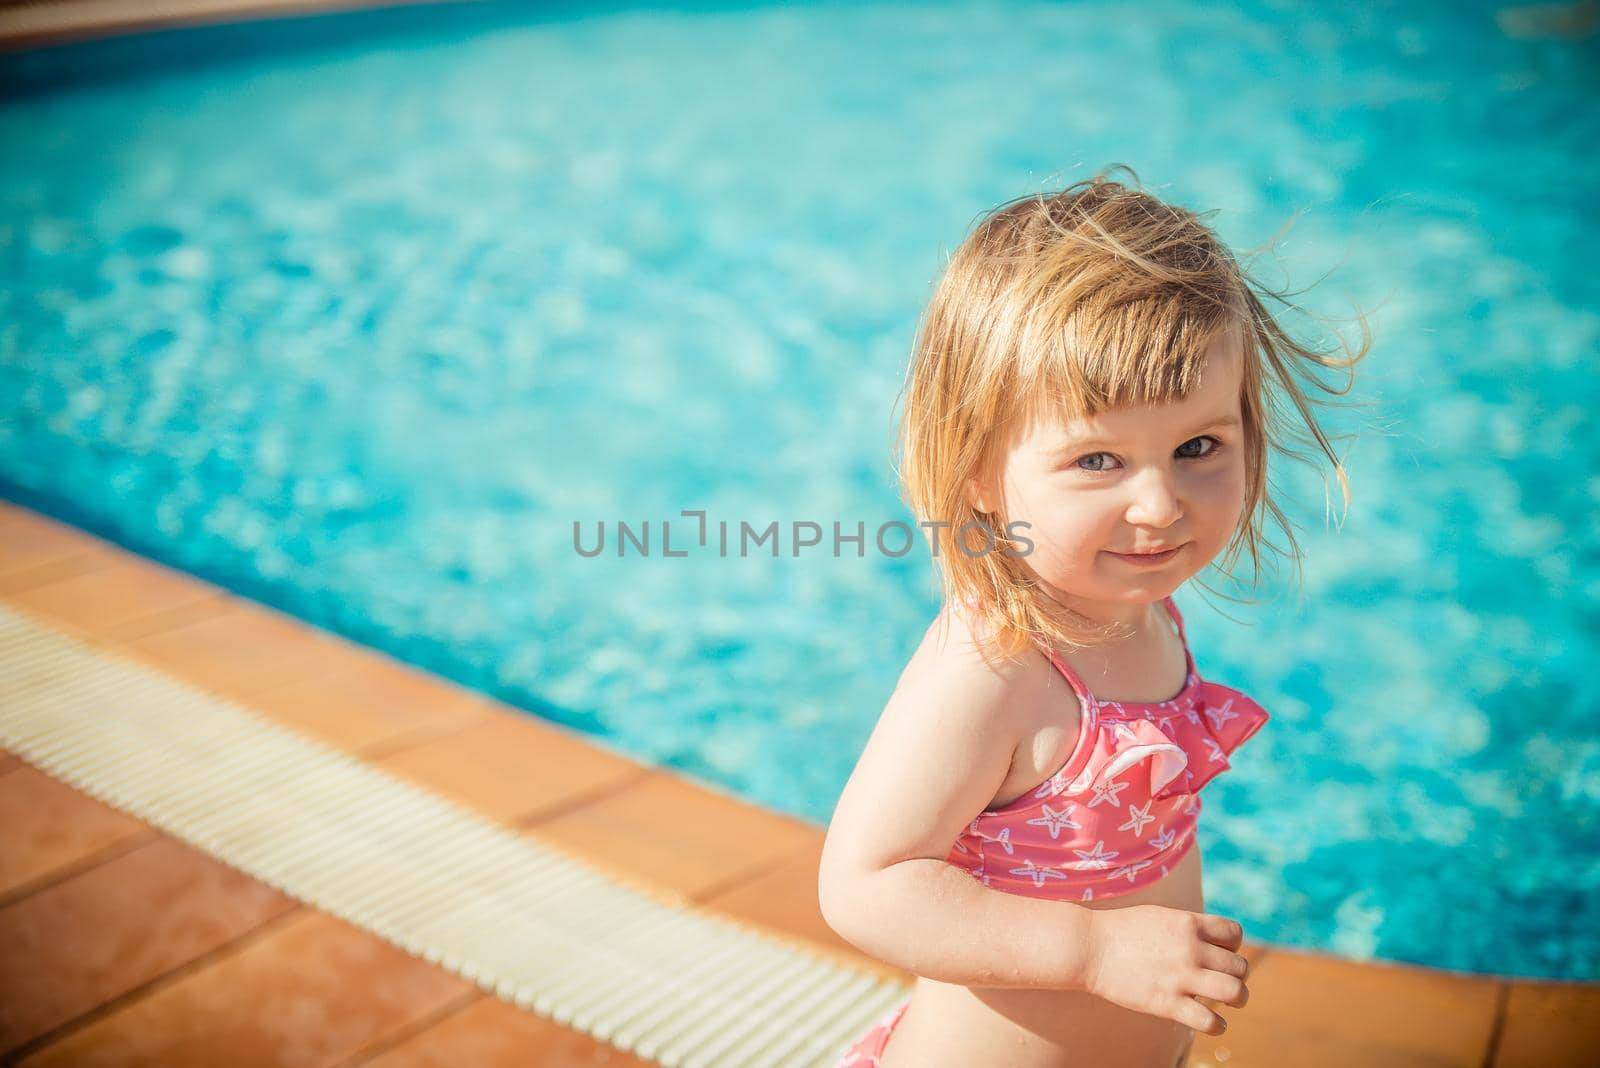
(241,651)
(669,832)
(1550,1025)
(23,579)
(30,541)
(783,899)
(9,762)
(130,597)
(51,827)
(490,1033)
(372,702)
(510,766)
(314,991)
(1315,1011)
(171,619)
(100,934)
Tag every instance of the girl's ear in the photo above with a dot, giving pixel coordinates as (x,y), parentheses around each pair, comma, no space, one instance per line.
(978,496)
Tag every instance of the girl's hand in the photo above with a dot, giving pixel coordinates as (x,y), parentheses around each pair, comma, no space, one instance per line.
(1157,960)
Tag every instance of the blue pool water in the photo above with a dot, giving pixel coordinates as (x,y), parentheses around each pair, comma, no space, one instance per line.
(357,315)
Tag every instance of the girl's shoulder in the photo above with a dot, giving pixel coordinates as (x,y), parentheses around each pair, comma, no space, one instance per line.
(945,742)
(950,662)
(953,642)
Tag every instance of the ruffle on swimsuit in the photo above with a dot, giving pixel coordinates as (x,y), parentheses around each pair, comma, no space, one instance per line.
(1123,809)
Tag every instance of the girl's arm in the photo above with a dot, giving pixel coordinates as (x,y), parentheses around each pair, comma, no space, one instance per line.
(937,757)
(931,919)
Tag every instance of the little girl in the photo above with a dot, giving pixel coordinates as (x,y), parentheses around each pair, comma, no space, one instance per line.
(1089,408)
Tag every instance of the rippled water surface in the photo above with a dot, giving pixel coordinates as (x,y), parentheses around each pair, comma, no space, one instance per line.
(358,314)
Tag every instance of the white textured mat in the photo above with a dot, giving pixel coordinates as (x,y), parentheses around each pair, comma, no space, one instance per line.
(671,984)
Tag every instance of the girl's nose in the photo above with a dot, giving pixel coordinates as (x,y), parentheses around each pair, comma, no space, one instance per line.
(1155,500)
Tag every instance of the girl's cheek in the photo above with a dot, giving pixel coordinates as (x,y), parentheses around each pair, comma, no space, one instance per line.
(1224,504)
(1230,490)
(1064,535)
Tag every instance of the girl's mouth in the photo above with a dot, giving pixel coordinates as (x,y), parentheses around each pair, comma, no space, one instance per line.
(1150,560)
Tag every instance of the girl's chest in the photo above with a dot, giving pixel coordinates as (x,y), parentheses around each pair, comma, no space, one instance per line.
(1048,738)
(1053,712)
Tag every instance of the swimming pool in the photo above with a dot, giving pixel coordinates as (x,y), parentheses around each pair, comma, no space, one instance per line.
(358,314)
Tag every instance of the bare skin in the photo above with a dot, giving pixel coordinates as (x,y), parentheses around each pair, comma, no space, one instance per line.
(955,1025)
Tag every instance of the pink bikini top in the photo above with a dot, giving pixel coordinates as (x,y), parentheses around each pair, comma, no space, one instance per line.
(1123,809)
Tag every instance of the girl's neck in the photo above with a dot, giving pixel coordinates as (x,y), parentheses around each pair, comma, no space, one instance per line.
(1137,618)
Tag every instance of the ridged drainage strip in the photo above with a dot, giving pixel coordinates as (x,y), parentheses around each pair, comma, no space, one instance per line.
(666,982)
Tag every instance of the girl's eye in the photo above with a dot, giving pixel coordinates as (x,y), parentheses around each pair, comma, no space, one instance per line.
(1187,456)
(1204,437)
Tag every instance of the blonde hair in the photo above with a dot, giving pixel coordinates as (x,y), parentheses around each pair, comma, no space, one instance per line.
(1096,297)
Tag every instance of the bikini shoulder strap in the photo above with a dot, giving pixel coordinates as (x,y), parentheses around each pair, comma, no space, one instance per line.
(1177,616)
(1079,687)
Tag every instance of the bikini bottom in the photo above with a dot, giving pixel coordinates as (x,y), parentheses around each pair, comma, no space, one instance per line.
(869,1047)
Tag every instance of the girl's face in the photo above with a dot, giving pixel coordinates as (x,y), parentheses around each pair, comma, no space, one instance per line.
(1128,481)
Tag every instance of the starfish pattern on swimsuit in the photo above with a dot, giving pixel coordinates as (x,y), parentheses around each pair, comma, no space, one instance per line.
(1107,791)
(1093,858)
(1130,870)
(1138,817)
(1222,714)
(1038,874)
(1050,787)
(1054,821)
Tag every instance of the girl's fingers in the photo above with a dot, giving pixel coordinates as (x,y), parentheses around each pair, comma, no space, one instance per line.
(1225,961)
(1228,989)
(1221,931)
(1194,1015)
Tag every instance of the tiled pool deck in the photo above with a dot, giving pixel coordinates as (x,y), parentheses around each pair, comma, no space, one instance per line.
(122,945)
